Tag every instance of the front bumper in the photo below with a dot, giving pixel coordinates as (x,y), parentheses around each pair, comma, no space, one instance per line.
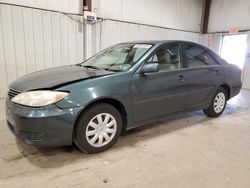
(47,126)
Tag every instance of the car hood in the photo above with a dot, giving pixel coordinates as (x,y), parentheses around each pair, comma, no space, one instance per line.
(55,77)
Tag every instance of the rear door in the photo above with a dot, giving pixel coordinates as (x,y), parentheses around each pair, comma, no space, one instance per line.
(204,74)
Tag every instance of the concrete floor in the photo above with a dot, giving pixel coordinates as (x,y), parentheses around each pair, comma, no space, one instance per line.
(189,150)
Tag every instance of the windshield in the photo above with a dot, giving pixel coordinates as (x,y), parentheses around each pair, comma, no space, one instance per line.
(117,58)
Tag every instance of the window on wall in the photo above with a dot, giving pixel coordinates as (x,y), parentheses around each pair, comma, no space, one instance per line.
(197,56)
(168,57)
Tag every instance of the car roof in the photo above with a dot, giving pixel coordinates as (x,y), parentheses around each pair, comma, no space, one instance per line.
(155,42)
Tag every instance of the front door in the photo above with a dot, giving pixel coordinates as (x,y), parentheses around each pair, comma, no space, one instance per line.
(163,92)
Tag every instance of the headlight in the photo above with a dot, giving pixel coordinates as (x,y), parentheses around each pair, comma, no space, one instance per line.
(39,98)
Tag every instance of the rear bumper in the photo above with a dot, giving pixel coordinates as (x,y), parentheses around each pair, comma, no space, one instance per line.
(235,90)
(47,126)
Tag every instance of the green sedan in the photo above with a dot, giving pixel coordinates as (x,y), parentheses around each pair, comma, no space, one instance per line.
(120,88)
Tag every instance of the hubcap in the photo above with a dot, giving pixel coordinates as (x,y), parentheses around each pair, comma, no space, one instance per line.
(101,129)
(219,102)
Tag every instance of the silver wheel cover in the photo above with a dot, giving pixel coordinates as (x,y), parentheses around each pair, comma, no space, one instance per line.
(101,129)
(219,102)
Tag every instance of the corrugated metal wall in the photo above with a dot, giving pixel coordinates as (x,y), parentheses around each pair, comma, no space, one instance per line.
(213,41)
(225,14)
(32,40)
(178,14)
(110,32)
(246,74)
(69,6)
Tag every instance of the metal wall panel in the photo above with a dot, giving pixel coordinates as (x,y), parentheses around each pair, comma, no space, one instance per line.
(246,73)
(32,40)
(225,14)
(246,78)
(67,6)
(113,32)
(178,14)
(213,41)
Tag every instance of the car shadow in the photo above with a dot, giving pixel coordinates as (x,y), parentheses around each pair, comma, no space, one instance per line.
(53,157)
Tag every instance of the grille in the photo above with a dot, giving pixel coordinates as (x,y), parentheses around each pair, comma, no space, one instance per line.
(30,137)
(12,93)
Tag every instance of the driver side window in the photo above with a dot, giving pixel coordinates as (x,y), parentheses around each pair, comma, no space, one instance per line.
(168,57)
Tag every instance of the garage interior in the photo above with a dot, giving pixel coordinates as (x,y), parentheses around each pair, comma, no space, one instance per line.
(187,150)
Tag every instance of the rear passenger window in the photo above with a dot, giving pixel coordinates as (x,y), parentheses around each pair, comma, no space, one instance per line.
(197,57)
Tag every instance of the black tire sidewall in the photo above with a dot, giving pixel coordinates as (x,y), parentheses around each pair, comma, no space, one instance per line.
(83,120)
(210,111)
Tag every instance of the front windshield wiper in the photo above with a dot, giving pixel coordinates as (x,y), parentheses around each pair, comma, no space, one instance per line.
(113,70)
(92,67)
(98,68)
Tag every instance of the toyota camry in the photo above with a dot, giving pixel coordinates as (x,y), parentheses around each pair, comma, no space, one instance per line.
(120,88)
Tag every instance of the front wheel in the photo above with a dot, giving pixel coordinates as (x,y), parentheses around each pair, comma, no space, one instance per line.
(98,128)
(218,103)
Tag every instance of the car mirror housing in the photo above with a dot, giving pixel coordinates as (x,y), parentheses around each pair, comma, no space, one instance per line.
(150,68)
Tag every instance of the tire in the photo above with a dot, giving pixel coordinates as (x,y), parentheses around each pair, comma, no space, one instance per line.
(218,103)
(98,128)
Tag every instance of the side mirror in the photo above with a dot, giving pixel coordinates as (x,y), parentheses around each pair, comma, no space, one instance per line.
(150,68)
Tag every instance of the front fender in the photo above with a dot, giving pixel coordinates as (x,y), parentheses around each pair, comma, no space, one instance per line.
(85,92)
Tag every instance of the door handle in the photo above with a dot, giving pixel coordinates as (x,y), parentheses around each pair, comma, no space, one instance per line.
(181,78)
(218,72)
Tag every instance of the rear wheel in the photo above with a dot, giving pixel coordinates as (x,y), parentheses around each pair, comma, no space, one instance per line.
(218,103)
(98,128)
